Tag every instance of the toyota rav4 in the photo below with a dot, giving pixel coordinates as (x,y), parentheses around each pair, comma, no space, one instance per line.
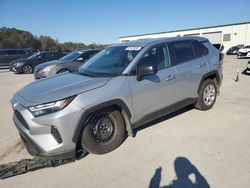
(124,86)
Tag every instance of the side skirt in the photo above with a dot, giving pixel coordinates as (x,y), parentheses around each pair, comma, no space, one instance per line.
(165,111)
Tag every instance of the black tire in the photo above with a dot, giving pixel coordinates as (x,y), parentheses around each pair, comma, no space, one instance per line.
(27,69)
(103,132)
(207,95)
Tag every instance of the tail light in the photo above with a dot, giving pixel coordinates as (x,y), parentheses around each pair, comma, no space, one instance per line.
(221,56)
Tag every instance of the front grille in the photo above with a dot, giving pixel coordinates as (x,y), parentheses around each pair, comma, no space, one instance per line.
(21,119)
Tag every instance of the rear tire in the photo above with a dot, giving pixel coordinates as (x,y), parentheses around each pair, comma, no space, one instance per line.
(104,131)
(207,95)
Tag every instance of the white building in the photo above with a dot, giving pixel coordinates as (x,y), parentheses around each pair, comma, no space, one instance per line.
(226,35)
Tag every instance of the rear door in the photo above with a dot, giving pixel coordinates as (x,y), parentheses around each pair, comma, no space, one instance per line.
(190,66)
(12,55)
(3,58)
(154,92)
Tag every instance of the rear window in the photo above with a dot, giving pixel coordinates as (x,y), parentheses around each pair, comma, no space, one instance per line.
(184,51)
(199,49)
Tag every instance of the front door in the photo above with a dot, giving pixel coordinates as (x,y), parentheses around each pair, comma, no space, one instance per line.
(154,92)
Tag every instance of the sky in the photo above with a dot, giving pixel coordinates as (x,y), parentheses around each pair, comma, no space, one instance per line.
(104,21)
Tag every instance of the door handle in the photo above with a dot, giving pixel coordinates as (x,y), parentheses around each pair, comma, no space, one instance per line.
(170,77)
(202,65)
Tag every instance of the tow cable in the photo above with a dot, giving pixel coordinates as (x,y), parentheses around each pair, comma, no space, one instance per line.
(28,165)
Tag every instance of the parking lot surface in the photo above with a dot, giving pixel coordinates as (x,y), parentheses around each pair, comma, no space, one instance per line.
(210,148)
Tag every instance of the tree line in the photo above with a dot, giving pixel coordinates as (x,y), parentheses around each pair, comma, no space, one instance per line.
(15,38)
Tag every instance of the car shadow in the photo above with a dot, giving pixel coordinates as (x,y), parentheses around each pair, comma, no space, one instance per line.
(164,118)
(184,170)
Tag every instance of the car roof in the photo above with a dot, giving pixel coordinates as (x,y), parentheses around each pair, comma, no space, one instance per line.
(48,52)
(145,42)
(15,49)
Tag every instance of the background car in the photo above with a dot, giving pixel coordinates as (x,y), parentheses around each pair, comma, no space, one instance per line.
(68,63)
(8,55)
(247,71)
(244,52)
(233,50)
(27,65)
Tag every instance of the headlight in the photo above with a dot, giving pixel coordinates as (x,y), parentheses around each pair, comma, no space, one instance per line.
(248,65)
(43,109)
(51,69)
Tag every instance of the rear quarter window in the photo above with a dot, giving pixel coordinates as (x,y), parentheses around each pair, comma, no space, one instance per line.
(199,49)
(183,51)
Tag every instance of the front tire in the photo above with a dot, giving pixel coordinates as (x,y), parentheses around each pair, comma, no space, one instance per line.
(27,69)
(104,132)
(207,95)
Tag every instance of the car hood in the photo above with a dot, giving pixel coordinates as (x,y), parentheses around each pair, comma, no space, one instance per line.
(18,60)
(244,50)
(59,87)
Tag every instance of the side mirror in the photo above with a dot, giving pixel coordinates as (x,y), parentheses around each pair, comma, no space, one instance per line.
(145,70)
(79,59)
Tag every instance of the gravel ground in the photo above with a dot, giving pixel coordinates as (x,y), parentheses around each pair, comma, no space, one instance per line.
(210,148)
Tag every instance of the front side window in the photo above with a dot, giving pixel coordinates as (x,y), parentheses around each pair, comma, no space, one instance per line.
(35,55)
(156,56)
(71,56)
(111,61)
(184,51)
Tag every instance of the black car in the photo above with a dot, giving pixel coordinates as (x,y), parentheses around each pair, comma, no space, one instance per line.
(68,63)
(233,50)
(27,65)
(8,55)
(247,71)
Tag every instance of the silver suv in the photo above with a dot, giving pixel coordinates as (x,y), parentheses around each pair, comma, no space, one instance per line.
(122,87)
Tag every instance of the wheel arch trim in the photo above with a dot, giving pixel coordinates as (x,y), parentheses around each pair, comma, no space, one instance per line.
(208,75)
(86,114)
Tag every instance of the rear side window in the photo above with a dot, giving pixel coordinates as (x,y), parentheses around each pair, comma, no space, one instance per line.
(21,52)
(12,52)
(199,49)
(88,55)
(183,51)
(56,55)
(3,52)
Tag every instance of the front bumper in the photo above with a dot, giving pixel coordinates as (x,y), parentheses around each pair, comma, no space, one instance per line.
(48,136)
(248,70)
(241,54)
(38,74)
(16,69)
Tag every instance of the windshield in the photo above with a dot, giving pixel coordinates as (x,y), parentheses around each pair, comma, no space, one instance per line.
(71,56)
(110,62)
(33,56)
